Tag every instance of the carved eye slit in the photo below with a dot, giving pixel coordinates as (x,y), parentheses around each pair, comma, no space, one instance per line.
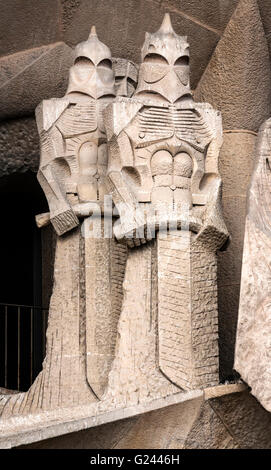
(267,163)
(106,63)
(131,82)
(119,79)
(155,59)
(83,61)
(184,60)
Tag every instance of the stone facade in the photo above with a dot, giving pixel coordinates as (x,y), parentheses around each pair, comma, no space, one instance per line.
(231,71)
(253,334)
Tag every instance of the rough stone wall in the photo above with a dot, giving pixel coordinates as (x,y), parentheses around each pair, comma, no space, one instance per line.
(237,81)
(120,23)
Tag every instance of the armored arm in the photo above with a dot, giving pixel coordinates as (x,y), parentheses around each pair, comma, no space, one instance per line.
(119,180)
(53,167)
(214,231)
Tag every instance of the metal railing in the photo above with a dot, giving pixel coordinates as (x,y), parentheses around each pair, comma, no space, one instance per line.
(22,344)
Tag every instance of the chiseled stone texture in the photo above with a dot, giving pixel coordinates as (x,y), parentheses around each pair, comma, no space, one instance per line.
(69,8)
(32,75)
(208,432)
(237,80)
(129,19)
(265,10)
(252,354)
(231,421)
(19,146)
(227,422)
(211,13)
(26,24)
(235,166)
(249,423)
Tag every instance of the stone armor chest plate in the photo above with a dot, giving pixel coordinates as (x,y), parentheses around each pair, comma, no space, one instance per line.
(157,123)
(85,150)
(169,145)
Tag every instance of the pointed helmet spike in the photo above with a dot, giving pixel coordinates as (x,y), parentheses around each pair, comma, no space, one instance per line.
(166,26)
(93,31)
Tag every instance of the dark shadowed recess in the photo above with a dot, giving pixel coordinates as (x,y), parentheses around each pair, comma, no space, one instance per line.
(21,282)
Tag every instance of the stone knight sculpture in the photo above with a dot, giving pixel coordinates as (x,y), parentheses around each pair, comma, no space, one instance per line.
(73,144)
(133,318)
(72,171)
(88,271)
(163,152)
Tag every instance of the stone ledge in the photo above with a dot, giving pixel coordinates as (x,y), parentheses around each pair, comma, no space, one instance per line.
(222,390)
(33,428)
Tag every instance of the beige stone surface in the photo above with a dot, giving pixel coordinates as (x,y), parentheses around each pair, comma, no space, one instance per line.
(165,429)
(241,92)
(105,436)
(74,126)
(228,302)
(134,376)
(236,161)
(187,309)
(69,20)
(48,246)
(73,150)
(224,389)
(104,267)
(46,424)
(126,75)
(243,104)
(49,63)
(230,261)
(252,359)
(235,165)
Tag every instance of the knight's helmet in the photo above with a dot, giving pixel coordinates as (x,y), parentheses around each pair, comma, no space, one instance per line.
(92,72)
(126,73)
(164,71)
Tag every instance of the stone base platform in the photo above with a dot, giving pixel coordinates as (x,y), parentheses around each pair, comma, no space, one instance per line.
(28,429)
